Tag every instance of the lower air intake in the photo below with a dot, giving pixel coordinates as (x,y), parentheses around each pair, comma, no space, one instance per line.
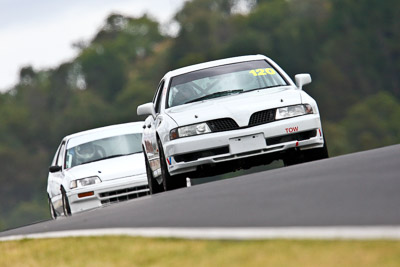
(124,194)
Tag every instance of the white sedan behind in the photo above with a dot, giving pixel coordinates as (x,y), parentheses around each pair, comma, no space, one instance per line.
(97,167)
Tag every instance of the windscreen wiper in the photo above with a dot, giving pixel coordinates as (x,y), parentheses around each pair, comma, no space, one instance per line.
(216,94)
(262,88)
(110,157)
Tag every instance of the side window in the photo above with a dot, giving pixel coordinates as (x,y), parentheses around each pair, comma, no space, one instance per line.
(157,100)
(60,156)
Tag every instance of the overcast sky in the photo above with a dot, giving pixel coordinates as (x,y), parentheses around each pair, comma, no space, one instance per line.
(41,32)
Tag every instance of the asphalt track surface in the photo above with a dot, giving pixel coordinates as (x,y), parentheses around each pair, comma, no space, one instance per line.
(360,189)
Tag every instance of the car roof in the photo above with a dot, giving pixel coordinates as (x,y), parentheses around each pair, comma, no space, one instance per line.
(214,63)
(104,132)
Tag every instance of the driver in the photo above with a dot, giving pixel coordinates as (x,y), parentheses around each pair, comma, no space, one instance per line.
(86,152)
(183,94)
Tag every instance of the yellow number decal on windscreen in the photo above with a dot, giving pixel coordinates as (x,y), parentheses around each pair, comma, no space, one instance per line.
(259,72)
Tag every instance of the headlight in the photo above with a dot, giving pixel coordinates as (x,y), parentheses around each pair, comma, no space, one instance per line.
(189,130)
(293,111)
(84,182)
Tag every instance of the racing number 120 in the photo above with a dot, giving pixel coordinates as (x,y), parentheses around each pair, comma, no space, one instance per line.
(266,71)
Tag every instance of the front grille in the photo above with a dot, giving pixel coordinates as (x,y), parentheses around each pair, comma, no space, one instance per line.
(261,117)
(201,154)
(225,124)
(291,137)
(124,194)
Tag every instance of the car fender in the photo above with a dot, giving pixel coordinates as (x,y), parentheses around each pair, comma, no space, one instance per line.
(64,187)
(159,129)
(307,99)
(164,127)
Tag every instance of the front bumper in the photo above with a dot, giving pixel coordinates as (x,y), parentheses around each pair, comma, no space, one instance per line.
(186,154)
(108,192)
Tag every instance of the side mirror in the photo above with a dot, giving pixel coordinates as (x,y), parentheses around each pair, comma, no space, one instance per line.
(302,79)
(53,169)
(146,109)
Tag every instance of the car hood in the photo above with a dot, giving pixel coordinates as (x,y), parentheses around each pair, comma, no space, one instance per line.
(110,169)
(238,107)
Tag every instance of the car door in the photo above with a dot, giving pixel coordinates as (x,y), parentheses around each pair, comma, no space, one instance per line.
(56,178)
(150,133)
(50,177)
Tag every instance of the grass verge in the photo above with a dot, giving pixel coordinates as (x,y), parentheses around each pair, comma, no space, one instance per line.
(130,251)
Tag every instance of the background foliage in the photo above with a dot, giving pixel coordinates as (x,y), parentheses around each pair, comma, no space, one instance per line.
(351,48)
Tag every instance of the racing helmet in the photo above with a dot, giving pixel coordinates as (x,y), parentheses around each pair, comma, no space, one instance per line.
(85,151)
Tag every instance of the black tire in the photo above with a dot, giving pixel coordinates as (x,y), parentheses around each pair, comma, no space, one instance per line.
(169,182)
(316,153)
(66,207)
(292,158)
(51,209)
(306,155)
(154,187)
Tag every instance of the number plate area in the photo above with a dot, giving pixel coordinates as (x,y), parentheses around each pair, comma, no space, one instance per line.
(247,143)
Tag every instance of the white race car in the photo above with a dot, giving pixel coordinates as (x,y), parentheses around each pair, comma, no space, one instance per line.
(97,167)
(223,115)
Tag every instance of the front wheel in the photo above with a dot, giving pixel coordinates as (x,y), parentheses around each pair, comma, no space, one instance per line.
(297,157)
(52,210)
(66,207)
(169,182)
(317,153)
(153,184)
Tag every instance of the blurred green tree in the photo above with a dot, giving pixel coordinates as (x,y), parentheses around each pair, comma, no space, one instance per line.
(369,124)
(350,48)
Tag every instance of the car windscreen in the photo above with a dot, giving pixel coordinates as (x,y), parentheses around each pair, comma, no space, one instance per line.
(223,80)
(101,149)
